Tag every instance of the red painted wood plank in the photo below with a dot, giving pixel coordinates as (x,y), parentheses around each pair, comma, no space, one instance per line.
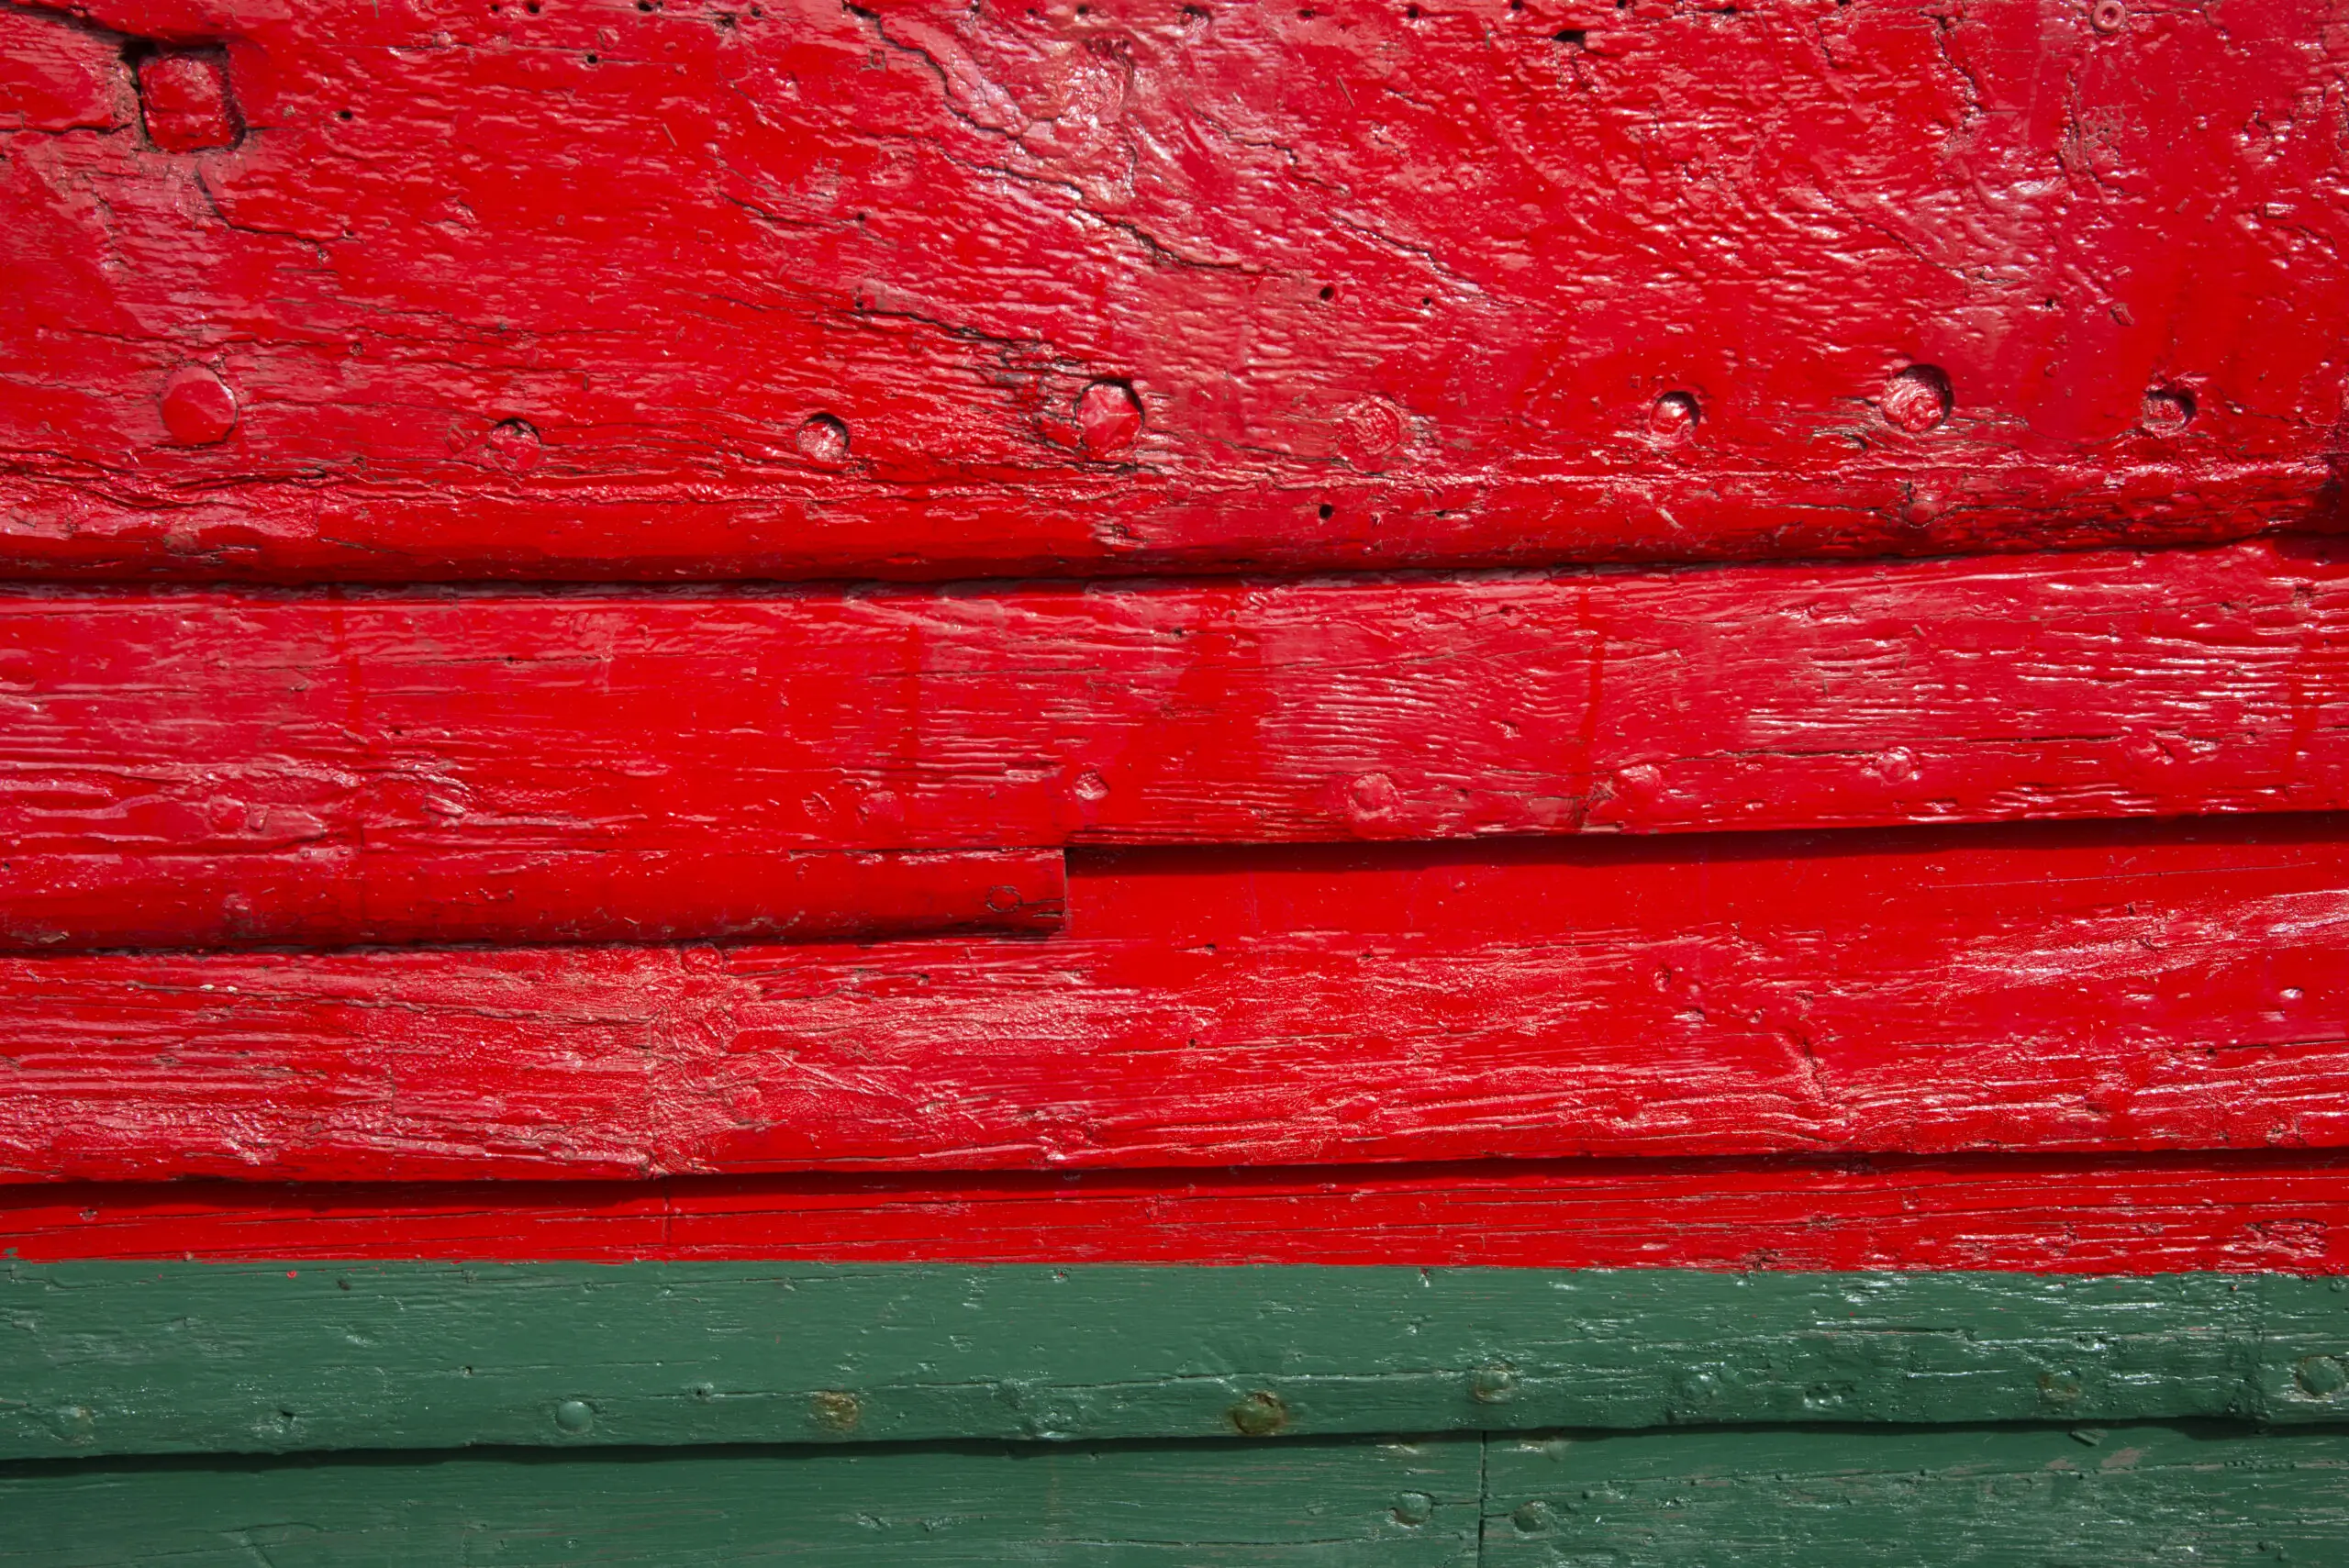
(2108,1214)
(695,287)
(2103,988)
(295,735)
(343,898)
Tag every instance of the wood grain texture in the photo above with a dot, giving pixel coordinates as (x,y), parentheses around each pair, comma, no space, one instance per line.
(2080,1214)
(2093,987)
(1987,1499)
(176,1358)
(917,288)
(416,726)
(1058,1505)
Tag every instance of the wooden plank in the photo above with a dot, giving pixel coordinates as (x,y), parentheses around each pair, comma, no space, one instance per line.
(341,895)
(1130,1505)
(276,726)
(2090,1214)
(176,1358)
(2042,987)
(2002,1498)
(695,288)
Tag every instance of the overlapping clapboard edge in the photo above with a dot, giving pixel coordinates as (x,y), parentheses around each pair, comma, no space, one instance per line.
(2060,986)
(337,896)
(285,737)
(2285,1212)
(1115,525)
(164,1358)
(1299,1505)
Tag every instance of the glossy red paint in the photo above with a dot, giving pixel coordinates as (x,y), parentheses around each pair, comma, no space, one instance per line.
(2107,1215)
(926,289)
(2101,987)
(288,743)
(337,896)
(55,77)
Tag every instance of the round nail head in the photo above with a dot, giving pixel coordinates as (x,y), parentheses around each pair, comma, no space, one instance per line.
(822,438)
(198,408)
(1673,416)
(1917,399)
(1108,417)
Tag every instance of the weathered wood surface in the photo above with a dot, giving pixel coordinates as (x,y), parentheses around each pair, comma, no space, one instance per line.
(691,287)
(2079,1214)
(1378,1505)
(295,730)
(2048,986)
(340,894)
(1998,1497)
(172,1357)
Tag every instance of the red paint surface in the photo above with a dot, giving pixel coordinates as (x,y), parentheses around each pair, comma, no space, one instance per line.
(57,77)
(293,741)
(2106,987)
(1388,287)
(2111,1215)
(342,897)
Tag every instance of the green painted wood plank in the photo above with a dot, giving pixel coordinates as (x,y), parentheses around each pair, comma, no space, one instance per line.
(2000,1497)
(1137,1505)
(124,1358)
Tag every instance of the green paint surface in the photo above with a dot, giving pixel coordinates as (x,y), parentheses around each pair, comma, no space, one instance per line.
(1754,1497)
(2000,1497)
(1147,1506)
(141,1358)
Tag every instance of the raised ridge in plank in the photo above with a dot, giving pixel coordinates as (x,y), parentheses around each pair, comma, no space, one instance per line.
(2085,986)
(179,1358)
(2077,1214)
(923,288)
(288,728)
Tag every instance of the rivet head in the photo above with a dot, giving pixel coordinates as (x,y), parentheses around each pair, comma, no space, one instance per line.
(198,408)
(2166,410)
(1370,798)
(1260,1415)
(2322,1375)
(1413,1507)
(1003,899)
(1108,417)
(511,447)
(1490,1385)
(1673,416)
(574,1415)
(1917,399)
(1370,432)
(1532,1519)
(822,438)
(2108,16)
